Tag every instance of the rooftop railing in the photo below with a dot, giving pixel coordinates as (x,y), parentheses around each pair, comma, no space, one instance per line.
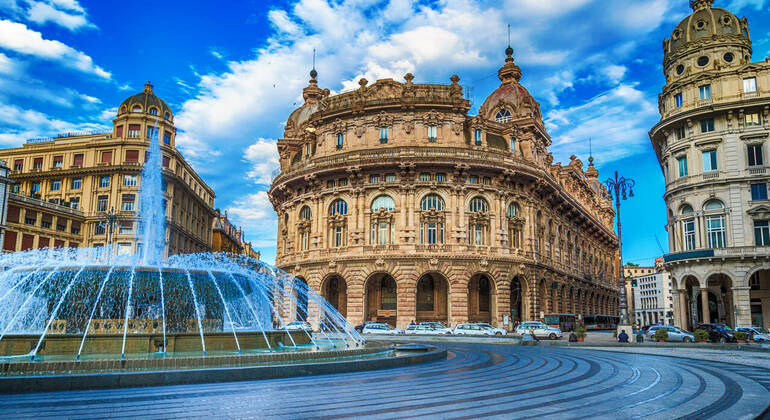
(69,134)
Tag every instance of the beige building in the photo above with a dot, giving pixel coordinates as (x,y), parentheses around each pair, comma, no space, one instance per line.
(712,144)
(66,185)
(230,239)
(398,206)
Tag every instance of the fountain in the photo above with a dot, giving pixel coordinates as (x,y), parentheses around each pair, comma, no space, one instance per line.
(98,304)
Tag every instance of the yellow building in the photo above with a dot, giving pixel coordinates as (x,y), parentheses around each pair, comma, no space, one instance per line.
(229,239)
(81,177)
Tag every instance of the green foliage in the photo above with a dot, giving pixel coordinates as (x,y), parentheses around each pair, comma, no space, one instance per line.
(701,335)
(615,333)
(580,332)
(661,334)
(740,335)
(630,264)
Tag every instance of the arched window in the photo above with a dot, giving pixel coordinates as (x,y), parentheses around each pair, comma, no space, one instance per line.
(715,224)
(340,140)
(136,108)
(383,202)
(153,111)
(686,210)
(338,207)
(432,202)
(512,211)
(514,226)
(305,213)
(478,204)
(123,110)
(503,116)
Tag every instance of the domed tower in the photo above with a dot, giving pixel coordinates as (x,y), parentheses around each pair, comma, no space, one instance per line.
(397,206)
(712,145)
(139,115)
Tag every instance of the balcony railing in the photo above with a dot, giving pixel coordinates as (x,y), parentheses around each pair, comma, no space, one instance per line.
(729,252)
(68,134)
(45,204)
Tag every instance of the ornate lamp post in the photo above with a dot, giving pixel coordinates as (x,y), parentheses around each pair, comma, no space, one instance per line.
(619,186)
(109,220)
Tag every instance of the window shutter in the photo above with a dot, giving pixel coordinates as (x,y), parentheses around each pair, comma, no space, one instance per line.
(27,241)
(43,242)
(166,161)
(119,131)
(78,160)
(106,157)
(9,243)
(18,162)
(132,156)
(38,161)
(13,215)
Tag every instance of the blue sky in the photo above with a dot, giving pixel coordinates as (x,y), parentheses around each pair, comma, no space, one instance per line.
(233,73)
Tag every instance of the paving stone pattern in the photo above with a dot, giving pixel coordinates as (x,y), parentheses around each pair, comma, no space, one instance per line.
(477,381)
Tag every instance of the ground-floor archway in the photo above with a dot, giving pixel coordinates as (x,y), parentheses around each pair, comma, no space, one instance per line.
(480,298)
(335,291)
(518,307)
(432,298)
(381,299)
(759,298)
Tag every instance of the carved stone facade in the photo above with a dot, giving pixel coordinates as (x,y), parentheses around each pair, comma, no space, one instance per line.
(396,205)
(712,145)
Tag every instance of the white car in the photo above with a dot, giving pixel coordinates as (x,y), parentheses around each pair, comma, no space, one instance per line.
(539,329)
(758,334)
(497,331)
(381,329)
(299,326)
(472,329)
(428,329)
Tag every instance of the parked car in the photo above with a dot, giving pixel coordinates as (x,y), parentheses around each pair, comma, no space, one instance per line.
(497,331)
(718,333)
(539,329)
(472,329)
(299,326)
(429,329)
(381,328)
(758,334)
(674,333)
(360,328)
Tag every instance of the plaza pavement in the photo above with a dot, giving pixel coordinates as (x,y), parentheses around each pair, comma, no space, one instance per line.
(476,381)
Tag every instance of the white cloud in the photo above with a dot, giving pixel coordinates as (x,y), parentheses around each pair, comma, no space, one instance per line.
(17,37)
(17,125)
(42,13)
(255,214)
(7,65)
(262,157)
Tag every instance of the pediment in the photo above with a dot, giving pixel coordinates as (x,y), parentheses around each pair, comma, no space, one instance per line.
(760,211)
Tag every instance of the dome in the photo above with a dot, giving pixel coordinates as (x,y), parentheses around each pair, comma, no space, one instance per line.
(146,102)
(706,22)
(511,100)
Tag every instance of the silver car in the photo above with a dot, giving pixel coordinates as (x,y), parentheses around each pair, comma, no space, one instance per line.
(674,333)
(757,334)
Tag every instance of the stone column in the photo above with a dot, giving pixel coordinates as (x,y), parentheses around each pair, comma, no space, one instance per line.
(704,299)
(741,300)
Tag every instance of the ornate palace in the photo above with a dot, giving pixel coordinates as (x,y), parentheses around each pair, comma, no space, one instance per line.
(398,206)
(711,142)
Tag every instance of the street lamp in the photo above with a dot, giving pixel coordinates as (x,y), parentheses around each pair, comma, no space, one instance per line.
(109,220)
(619,186)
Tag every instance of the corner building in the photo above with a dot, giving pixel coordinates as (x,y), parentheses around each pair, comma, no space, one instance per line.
(712,145)
(396,205)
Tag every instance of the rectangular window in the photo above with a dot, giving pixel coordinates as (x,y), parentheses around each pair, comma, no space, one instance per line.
(390,177)
(678,100)
(705,92)
(167,137)
(432,129)
(340,141)
(440,177)
(166,161)
(707,125)
(689,234)
(36,188)
(37,163)
(374,179)
(382,233)
(75,203)
(126,227)
(58,161)
(682,162)
(749,84)
(473,179)
(762,232)
(383,135)
(30,218)
(132,156)
(753,120)
(486,180)
(432,232)
(680,132)
(424,177)
(75,228)
(759,192)
(478,234)
(18,164)
(101,203)
(715,231)
(710,160)
(133,131)
(129,180)
(119,132)
(76,183)
(330,183)
(755,154)
(512,145)
(342,182)
(99,229)
(104,181)
(127,202)
(152,132)
(16,188)
(477,137)
(338,237)
(77,160)
(56,185)
(106,157)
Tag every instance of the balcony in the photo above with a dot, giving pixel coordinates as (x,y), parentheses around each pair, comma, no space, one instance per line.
(710,175)
(730,252)
(757,170)
(45,204)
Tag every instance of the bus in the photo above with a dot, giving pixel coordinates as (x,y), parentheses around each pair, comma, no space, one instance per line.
(601,322)
(565,322)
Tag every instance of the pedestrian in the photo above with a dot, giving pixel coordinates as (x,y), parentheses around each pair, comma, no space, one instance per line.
(411,323)
(622,337)
(572,337)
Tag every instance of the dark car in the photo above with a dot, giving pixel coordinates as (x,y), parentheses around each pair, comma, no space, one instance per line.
(718,333)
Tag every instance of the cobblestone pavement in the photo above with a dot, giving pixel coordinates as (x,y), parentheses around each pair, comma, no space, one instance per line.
(477,381)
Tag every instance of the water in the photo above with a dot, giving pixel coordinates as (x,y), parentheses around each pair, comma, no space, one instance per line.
(96,302)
